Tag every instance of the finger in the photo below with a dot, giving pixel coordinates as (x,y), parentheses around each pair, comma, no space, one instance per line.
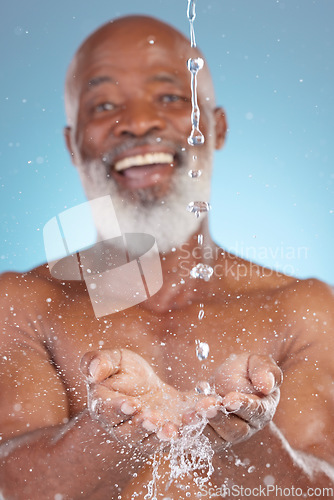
(134,431)
(99,365)
(232,375)
(264,373)
(230,428)
(217,443)
(143,425)
(256,411)
(168,431)
(110,407)
(206,406)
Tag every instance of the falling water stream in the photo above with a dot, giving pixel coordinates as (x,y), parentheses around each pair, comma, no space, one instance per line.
(191,453)
(196,138)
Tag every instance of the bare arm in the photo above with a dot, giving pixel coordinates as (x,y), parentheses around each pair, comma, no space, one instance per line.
(75,460)
(302,437)
(43,452)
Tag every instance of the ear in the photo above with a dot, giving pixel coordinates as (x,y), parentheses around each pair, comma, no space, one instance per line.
(221,127)
(68,142)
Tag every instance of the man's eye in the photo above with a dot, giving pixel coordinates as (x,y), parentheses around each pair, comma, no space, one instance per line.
(171,98)
(104,106)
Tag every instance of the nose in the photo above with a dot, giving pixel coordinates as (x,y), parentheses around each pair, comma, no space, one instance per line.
(137,118)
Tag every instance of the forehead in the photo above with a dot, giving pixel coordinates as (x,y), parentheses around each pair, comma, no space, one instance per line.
(134,46)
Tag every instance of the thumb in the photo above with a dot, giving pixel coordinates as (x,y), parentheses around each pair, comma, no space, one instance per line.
(99,365)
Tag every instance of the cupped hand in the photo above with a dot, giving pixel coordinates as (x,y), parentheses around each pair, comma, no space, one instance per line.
(129,400)
(247,386)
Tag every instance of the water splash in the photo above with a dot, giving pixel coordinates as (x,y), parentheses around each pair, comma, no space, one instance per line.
(203,387)
(152,489)
(191,452)
(191,14)
(202,271)
(196,137)
(202,350)
(198,207)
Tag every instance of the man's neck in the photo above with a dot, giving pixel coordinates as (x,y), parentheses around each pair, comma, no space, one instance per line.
(179,286)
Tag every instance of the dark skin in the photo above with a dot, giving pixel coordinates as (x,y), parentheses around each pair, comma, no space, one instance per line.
(139,366)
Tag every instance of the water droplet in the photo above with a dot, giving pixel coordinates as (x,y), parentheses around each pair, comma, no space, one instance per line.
(191,14)
(203,387)
(200,239)
(198,207)
(195,64)
(195,174)
(202,271)
(269,480)
(202,350)
(196,138)
(201,314)
(251,469)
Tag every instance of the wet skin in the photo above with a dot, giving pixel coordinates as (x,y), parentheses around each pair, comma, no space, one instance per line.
(140,365)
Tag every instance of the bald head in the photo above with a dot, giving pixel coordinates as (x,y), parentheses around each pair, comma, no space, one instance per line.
(131,36)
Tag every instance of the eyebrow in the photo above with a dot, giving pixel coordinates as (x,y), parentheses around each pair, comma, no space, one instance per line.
(163,77)
(98,80)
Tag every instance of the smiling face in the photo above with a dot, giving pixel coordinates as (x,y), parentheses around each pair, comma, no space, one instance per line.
(128,103)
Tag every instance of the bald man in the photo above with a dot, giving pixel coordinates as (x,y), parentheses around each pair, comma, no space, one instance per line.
(87,401)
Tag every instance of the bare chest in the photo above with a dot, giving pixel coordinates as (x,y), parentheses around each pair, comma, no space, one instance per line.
(174,343)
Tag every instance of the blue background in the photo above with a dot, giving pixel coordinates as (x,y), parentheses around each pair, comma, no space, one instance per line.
(272,63)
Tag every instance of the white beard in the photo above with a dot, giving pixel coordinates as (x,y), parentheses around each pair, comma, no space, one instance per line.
(144,211)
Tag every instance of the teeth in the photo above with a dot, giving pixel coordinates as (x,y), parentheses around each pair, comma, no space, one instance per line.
(147,159)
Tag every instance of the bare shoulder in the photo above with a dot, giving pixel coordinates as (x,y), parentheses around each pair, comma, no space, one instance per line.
(321,294)
(252,279)
(304,306)
(16,282)
(301,308)
(30,289)
(309,305)
(26,304)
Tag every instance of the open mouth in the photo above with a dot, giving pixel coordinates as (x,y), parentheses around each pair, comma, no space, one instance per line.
(141,169)
(148,159)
